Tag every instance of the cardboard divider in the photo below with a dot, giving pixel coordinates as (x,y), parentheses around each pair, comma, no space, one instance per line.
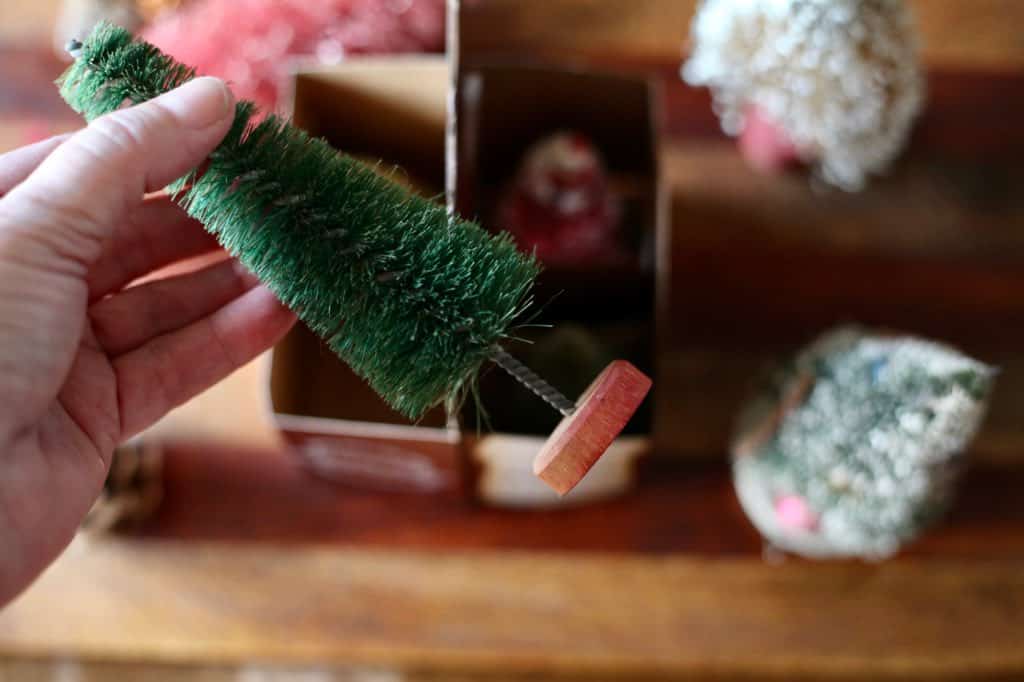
(389,109)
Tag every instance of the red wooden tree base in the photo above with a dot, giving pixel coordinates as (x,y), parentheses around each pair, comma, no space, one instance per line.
(581,438)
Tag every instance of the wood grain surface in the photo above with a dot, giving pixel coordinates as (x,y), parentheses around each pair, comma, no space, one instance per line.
(267,496)
(981,33)
(515,613)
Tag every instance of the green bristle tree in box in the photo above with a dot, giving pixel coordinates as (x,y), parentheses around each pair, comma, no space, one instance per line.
(414,300)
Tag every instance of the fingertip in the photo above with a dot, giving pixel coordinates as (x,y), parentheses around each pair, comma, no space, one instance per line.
(173,367)
(244,275)
(274,316)
(285,316)
(200,103)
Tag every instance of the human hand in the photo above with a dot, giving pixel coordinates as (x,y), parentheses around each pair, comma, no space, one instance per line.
(85,360)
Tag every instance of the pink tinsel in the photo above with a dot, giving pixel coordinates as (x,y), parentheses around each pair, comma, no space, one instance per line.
(252,43)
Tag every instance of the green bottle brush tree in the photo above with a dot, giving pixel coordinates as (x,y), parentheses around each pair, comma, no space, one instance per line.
(413,299)
(854,447)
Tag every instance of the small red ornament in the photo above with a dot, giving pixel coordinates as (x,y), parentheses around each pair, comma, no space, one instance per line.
(560,205)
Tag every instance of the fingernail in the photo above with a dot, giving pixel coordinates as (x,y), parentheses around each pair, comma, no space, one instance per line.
(199,103)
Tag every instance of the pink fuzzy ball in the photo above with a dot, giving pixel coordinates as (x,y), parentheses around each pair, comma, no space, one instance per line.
(794,513)
(765,145)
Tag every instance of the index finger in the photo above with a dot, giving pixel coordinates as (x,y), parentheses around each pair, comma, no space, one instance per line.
(18,164)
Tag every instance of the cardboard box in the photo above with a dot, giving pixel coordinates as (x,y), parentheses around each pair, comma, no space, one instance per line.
(397,111)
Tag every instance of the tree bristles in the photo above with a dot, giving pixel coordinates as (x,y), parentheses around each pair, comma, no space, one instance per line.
(412,299)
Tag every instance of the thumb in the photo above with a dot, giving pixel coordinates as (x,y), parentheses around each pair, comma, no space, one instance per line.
(81,191)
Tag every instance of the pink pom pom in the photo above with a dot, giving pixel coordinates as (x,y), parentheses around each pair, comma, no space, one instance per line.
(765,145)
(792,512)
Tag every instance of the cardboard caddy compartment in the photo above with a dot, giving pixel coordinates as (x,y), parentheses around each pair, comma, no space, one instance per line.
(397,112)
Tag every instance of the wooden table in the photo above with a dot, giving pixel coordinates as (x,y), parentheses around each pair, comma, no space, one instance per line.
(492,616)
(253,568)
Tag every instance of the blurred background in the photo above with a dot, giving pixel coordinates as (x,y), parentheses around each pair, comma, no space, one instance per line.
(711,187)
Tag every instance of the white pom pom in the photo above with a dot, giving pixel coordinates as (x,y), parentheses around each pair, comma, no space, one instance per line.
(841,77)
